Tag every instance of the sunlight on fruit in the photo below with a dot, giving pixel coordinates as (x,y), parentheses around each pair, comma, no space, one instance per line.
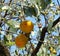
(26,26)
(21,40)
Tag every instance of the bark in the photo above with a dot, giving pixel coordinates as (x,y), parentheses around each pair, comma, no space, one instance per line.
(44,30)
(4,50)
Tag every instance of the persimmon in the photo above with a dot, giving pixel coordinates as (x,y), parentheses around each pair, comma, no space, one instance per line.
(26,26)
(21,40)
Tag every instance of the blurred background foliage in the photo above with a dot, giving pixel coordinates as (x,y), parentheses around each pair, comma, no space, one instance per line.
(42,13)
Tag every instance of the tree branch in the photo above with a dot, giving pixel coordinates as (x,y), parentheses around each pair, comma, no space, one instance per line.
(10,2)
(44,30)
(5,13)
(56,21)
(3,50)
(58,2)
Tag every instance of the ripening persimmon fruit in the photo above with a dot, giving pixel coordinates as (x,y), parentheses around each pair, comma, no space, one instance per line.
(26,26)
(21,40)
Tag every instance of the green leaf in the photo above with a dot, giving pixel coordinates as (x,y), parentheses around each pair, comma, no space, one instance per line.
(50,27)
(1,7)
(13,30)
(5,39)
(43,3)
(50,23)
(5,8)
(29,11)
(10,43)
(9,37)
(13,24)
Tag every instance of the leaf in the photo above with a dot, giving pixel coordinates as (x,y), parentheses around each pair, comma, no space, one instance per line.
(9,37)
(13,24)
(10,23)
(50,27)
(29,11)
(13,30)
(2,32)
(50,23)
(43,3)
(10,43)
(5,39)
(5,7)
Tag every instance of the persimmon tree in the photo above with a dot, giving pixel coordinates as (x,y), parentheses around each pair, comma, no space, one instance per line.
(27,24)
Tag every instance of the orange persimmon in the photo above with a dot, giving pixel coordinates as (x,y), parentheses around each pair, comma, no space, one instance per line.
(21,40)
(26,26)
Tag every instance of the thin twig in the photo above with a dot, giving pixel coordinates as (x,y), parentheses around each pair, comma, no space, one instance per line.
(10,2)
